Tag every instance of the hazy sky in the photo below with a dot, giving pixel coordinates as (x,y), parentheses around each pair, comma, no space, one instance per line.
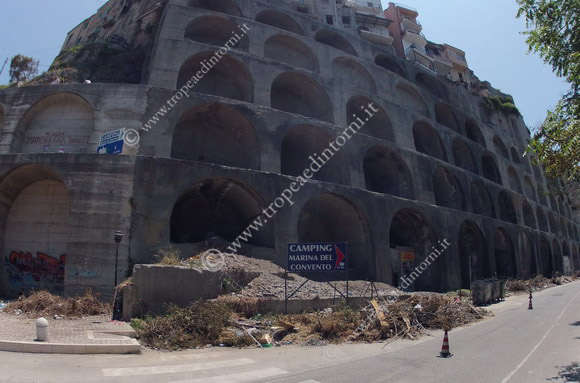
(486,30)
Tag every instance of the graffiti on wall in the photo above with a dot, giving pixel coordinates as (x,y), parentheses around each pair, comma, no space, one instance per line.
(42,271)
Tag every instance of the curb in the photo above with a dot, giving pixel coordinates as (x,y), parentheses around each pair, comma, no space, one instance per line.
(62,348)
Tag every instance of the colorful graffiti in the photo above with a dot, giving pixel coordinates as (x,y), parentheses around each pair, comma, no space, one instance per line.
(41,271)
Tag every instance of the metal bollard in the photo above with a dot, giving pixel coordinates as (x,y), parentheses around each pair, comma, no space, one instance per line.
(42,330)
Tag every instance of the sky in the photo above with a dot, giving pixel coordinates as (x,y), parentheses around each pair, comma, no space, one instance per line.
(486,30)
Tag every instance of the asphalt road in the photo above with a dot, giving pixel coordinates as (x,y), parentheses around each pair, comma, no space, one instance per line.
(516,346)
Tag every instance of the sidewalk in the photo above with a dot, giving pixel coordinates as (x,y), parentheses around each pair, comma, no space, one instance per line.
(90,335)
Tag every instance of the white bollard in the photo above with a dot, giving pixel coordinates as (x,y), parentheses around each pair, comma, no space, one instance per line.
(42,330)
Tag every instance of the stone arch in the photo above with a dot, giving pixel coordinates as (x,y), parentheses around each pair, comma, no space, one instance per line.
(409,97)
(303,141)
(299,94)
(445,116)
(333,218)
(528,214)
(335,40)
(542,195)
(490,169)
(505,256)
(552,200)
(542,220)
(506,207)
(218,208)
(34,229)
(431,84)
(351,72)
(279,20)
(546,257)
(553,223)
(529,264)
(474,133)
(500,148)
(228,78)
(427,141)
(481,200)
(515,155)
(291,50)
(563,227)
(557,253)
(447,190)
(410,230)
(60,122)
(473,255)
(379,125)
(570,230)
(390,64)
(514,180)
(566,253)
(537,172)
(1,119)
(529,189)
(222,6)
(386,172)
(463,156)
(215,30)
(218,134)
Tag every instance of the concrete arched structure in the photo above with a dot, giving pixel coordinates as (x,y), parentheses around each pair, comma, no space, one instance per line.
(528,214)
(292,51)
(215,30)
(409,97)
(222,6)
(386,172)
(462,155)
(489,168)
(506,207)
(474,258)
(335,40)
(379,125)
(447,190)
(431,84)
(505,256)
(546,257)
(474,133)
(446,117)
(481,200)
(500,148)
(427,141)
(514,180)
(529,189)
(390,64)
(279,20)
(515,155)
(542,220)
(350,72)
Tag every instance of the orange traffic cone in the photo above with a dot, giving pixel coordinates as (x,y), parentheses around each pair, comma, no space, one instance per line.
(445,348)
(530,306)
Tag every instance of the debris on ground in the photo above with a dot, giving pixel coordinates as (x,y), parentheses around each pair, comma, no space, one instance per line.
(539,282)
(43,303)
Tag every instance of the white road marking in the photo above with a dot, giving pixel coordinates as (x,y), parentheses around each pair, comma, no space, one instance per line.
(168,357)
(239,377)
(309,381)
(153,370)
(539,343)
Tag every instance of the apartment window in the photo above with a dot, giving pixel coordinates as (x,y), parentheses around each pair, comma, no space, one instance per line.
(329,20)
(346,20)
(370,5)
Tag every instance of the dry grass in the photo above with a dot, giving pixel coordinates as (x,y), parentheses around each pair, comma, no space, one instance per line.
(43,303)
(168,255)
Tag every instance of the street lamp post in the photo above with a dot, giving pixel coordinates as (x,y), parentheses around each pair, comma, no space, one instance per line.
(118,238)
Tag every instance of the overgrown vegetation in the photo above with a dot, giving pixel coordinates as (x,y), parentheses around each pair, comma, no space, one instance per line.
(504,104)
(43,303)
(22,68)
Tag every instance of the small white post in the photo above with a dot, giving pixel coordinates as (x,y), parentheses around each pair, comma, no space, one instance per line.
(42,330)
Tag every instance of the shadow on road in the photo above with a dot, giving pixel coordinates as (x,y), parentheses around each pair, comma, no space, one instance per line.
(577,323)
(569,373)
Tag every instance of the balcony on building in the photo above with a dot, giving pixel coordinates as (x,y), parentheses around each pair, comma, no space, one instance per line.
(361,6)
(418,55)
(408,22)
(374,29)
(414,37)
(457,57)
(441,64)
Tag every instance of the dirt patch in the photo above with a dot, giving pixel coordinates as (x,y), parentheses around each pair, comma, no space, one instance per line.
(43,303)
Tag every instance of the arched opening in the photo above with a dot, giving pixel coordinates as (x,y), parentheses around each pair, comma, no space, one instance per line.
(222,6)
(279,20)
(218,134)
(218,209)
(303,141)
(489,168)
(292,51)
(553,203)
(514,180)
(447,190)
(542,195)
(427,141)
(474,133)
(500,148)
(299,94)
(411,231)
(473,256)
(34,230)
(379,125)
(515,155)
(546,257)
(505,256)
(333,39)
(228,77)
(446,117)
(462,155)
(332,218)
(553,224)
(1,119)
(558,260)
(528,213)
(350,72)
(506,207)
(537,172)
(409,97)
(542,220)
(570,231)
(529,265)
(568,261)
(215,30)
(61,122)
(481,200)
(386,172)
(431,84)
(529,189)
(390,64)
(564,227)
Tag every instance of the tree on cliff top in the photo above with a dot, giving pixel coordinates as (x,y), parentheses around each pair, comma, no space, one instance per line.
(22,68)
(554,33)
